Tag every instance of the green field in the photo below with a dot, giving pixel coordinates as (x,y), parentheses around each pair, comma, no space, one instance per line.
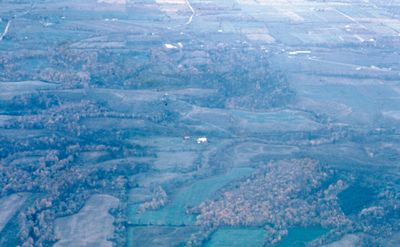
(237,237)
(174,213)
(299,236)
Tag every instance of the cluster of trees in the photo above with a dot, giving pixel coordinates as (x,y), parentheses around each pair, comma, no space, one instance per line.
(293,193)
(279,195)
(61,188)
(159,199)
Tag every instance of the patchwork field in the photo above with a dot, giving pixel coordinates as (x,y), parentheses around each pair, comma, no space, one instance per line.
(91,226)
(199,123)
